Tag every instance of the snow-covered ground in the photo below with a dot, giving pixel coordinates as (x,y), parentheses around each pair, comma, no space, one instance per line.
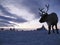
(29,38)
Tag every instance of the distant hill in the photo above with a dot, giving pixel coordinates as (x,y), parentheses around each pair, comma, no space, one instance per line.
(42,28)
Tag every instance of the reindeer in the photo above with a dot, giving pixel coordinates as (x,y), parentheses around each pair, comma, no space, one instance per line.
(50,19)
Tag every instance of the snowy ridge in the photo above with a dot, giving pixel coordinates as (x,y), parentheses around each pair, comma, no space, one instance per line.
(29,38)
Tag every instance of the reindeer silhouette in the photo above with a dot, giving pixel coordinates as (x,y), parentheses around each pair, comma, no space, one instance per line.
(51,19)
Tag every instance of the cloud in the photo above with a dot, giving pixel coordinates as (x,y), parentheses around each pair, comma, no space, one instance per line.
(33,5)
(17,19)
(4,19)
(5,23)
(20,12)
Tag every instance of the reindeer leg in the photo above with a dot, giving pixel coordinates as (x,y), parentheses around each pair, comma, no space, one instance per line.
(56,29)
(49,29)
(53,28)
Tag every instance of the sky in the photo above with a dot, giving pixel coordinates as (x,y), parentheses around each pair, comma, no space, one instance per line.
(25,13)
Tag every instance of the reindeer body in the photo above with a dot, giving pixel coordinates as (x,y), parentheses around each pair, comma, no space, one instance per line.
(51,19)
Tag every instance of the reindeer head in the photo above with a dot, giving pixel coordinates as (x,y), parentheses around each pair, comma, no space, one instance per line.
(44,14)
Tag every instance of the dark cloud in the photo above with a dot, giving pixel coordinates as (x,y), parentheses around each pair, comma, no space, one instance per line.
(4,21)
(17,19)
(5,12)
(33,5)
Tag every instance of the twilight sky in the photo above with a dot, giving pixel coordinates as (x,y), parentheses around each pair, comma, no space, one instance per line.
(25,13)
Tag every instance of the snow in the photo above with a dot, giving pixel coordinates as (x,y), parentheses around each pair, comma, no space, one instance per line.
(29,38)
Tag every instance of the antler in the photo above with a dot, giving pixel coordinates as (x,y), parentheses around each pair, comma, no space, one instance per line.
(41,10)
(47,6)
